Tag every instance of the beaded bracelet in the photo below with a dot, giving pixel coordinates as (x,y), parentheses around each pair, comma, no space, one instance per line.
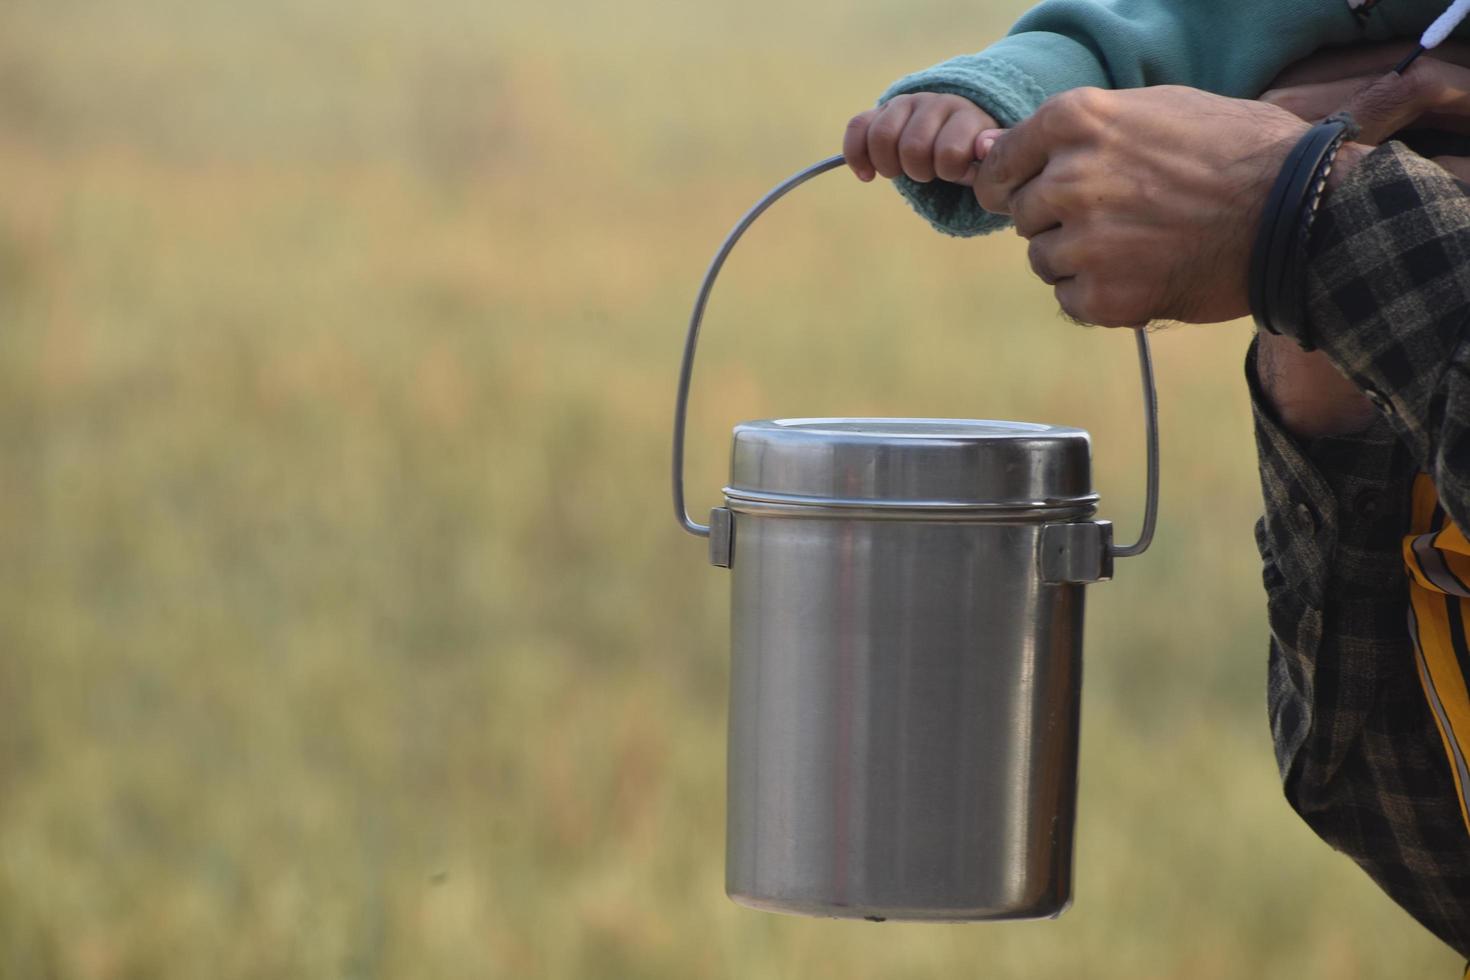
(1278,262)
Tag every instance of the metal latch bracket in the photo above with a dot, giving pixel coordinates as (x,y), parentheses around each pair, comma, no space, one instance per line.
(721,537)
(1077,553)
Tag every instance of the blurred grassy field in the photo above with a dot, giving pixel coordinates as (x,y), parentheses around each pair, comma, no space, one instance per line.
(344,630)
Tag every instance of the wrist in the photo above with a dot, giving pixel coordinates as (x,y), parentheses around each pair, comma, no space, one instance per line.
(1349,155)
(1278,260)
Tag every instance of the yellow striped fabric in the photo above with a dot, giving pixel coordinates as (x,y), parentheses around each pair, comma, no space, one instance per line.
(1438,559)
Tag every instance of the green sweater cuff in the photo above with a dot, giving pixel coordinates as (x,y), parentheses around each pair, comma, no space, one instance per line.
(995,85)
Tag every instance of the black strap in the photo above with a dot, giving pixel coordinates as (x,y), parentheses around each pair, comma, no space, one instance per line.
(1278,262)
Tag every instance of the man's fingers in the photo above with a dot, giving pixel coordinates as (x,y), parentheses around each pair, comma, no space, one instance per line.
(1089,290)
(1387,104)
(1021,153)
(916,144)
(1392,101)
(883,135)
(1047,254)
(1315,101)
(855,145)
(1361,61)
(1095,300)
(1014,158)
(1431,92)
(1032,212)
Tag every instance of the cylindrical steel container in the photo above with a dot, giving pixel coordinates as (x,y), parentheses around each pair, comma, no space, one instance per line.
(906,644)
(905,665)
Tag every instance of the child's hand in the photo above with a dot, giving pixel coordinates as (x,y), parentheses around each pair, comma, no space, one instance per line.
(924,135)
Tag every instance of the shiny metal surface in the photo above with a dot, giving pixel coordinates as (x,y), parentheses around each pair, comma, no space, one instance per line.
(1080,552)
(691,344)
(911,463)
(1151,453)
(906,640)
(903,720)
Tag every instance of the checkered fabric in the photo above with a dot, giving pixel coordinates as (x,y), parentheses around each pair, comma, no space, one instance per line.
(1361,759)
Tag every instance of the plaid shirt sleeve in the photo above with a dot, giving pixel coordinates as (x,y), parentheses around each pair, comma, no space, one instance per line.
(1361,760)
(1388,296)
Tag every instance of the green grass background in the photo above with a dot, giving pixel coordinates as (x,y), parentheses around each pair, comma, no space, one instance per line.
(344,628)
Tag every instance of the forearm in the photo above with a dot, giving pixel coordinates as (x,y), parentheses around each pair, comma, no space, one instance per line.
(1230,48)
(1306,393)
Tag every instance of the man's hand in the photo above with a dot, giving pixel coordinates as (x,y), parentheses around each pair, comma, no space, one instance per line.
(1139,204)
(924,135)
(1434,93)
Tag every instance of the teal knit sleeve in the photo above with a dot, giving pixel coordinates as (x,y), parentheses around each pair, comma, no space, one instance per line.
(1233,48)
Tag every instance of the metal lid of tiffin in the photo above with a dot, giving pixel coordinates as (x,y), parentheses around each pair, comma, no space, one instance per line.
(923,464)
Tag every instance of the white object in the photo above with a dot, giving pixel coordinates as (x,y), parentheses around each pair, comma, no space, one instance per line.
(1444,24)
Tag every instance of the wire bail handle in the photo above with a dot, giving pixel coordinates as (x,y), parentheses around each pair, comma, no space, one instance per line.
(691,342)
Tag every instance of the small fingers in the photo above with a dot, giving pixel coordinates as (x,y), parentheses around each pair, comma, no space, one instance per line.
(855,145)
(884,132)
(916,145)
(954,148)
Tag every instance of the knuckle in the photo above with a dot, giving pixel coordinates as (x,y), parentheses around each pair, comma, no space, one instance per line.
(1062,198)
(1065,119)
(952,157)
(1064,104)
(1090,98)
(1426,79)
(991,199)
(1040,264)
(1391,92)
(859,122)
(997,165)
(1083,102)
(911,146)
(884,132)
(960,104)
(1413,88)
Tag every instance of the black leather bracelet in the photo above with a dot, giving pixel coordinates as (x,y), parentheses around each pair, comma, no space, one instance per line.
(1278,262)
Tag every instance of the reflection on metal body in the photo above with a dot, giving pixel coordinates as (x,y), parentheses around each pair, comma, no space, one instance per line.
(906,636)
(905,685)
